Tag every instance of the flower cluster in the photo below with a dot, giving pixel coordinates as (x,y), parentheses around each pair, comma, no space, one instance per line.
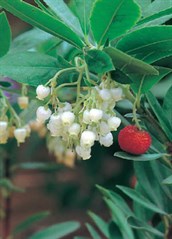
(76,127)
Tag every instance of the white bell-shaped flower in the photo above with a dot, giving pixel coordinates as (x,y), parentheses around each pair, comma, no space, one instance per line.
(95,115)
(74,130)
(104,128)
(105,94)
(67,118)
(23,102)
(114,122)
(87,139)
(20,134)
(42,92)
(116,93)
(3,127)
(86,117)
(106,140)
(43,114)
(84,153)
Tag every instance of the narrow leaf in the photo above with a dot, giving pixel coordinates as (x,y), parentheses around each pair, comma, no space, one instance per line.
(100,223)
(141,225)
(114,18)
(5,34)
(143,157)
(92,231)
(158,111)
(119,218)
(42,20)
(30,221)
(64,14)
(133,194)
(168,180)
(56,231)
(129,64)
(167,105)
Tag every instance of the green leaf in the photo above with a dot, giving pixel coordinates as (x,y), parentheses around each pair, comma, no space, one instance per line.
(121,77)
(100,223)
(150,49)
(143,157)
(64,14)
(167,105)
(38,166)
(56,231)
(42,20)
(117,199)
(92,231)
(144,84)
(114,231)
(152,187)
(159,112)
(30,40)
(30,221)
(5,34)
(120,219)
(98,61)
(29,67)
(157,18)
(129,64)
(82,9)
(112,18)
(168,180)
(133,194)
(157,6)
(141,225)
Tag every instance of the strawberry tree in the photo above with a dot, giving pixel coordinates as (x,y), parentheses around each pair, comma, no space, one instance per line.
(84,70)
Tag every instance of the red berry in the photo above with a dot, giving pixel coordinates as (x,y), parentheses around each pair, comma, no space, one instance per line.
(133,140)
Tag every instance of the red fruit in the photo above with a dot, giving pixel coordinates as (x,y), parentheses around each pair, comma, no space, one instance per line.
(133,140)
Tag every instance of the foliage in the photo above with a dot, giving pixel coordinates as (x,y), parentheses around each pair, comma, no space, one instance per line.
(77,51)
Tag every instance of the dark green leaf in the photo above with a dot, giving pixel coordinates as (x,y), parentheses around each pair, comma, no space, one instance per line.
(121,77)
(143,157)
(30,221)
(159,112)
(167,105)
(168,180)
(117,199)
(144,84)
(64,14)
(29,67)
(56,231)
(94,234)
(114,231)
(38,166)
(150,49)
(5,34)
(100,223)
(42,20)
(120,219)
(129,64)
(141,225)
(98,61)
(82,9)
(112,18)
(133,194)
(152,188)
